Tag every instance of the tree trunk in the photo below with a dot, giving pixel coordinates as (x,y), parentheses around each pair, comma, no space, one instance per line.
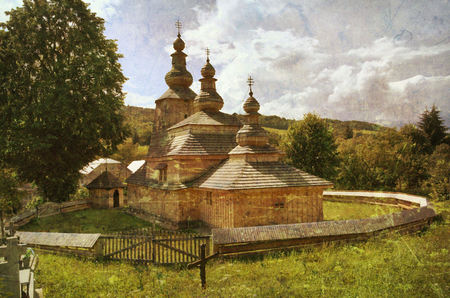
(2,226)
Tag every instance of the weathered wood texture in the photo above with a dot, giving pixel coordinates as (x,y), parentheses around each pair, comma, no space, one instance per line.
(65,243)
(150,246)
(49,209)
(267,238)
(402,200)
(231,208)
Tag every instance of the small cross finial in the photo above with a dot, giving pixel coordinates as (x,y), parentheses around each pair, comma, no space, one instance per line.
(178,26)
(207,54)
(250,82)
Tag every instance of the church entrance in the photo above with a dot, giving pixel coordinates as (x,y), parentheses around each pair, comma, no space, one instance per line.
(116,198)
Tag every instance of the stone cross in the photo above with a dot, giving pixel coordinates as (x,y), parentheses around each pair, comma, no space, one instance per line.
(9,271)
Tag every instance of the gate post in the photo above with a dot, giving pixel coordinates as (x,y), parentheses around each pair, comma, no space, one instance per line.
(153,250)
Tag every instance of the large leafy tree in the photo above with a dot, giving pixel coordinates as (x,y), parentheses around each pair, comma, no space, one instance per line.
(60,93)
(310,146)
(388,160)
(9,195)
(433,127)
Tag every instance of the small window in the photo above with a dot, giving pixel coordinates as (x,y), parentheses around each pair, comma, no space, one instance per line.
(279,205)
(163,175)
(185,116)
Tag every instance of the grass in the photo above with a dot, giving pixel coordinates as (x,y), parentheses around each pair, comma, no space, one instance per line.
(395,266)
(391,266)
(113,220)
(86,221)
(281,132)
(341,211)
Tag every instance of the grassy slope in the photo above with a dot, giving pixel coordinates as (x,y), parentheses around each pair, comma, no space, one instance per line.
(394,266)
(86,221)
(415,266)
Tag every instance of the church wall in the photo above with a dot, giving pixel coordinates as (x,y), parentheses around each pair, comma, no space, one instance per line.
(174,205)
(255,207)
(189,169)
(226,209)
(170,111)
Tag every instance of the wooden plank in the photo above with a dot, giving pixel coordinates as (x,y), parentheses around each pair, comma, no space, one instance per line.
(182,252)
(196,263)
(128,248)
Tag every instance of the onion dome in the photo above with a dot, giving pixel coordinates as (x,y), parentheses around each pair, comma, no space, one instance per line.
(178,76)
(252,134)
(208,99)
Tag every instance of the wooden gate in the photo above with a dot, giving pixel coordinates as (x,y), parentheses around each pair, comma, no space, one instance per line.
(159,247)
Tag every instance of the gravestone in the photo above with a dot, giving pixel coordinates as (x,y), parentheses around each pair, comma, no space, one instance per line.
(9,267)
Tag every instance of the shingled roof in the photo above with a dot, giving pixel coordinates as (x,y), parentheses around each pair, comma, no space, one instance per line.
(201,144)
(105,180)
(138,177)
(192,144)
(209,118)
(242,174)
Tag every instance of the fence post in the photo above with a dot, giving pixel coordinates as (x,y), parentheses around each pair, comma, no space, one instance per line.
(203,265)
(153,250)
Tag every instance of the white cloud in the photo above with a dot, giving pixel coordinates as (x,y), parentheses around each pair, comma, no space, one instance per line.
(135,99)
(297,71)
(104,8)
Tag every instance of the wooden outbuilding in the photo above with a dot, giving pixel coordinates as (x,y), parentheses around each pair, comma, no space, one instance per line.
(106,191)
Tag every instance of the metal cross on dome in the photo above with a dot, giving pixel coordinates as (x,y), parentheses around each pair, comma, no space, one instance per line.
(207,54)
(250,82)
(178,26)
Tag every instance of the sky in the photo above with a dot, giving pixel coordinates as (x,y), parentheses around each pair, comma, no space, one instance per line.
(378,61)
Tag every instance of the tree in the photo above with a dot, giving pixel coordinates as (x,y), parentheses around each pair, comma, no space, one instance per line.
(388,160)
(439,171)
(60,91)
(9,195)
(432,125)
(310,146)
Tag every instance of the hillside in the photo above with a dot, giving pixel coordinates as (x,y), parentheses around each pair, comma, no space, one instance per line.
(141,120)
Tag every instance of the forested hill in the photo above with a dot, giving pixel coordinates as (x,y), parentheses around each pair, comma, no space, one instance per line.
(141,119)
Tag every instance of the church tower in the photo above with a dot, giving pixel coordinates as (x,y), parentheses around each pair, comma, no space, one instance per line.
(176,103)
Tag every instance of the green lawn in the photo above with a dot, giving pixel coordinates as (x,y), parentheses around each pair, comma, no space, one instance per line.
(341,211)
(394,266)
(390,266)
(86,221)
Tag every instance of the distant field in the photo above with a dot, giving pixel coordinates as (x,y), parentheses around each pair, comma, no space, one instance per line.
(280,132)
(390,266)
(86,221)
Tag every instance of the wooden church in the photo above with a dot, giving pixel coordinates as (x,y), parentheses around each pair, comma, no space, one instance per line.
(206,165)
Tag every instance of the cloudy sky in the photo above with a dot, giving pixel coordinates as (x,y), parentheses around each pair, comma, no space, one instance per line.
(378,61)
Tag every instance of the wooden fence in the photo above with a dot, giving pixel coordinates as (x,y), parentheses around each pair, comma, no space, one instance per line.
(150,246)
(48,209)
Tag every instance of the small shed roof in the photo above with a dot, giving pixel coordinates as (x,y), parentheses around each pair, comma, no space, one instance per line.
(105,180)
(58,239)
(94,164)
(135,165)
